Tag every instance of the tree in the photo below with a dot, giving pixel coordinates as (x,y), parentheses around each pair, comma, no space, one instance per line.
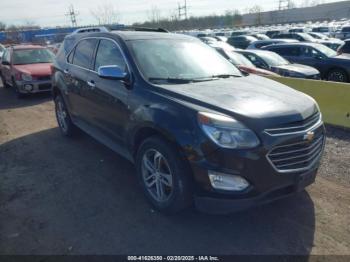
(154,15)
(106,14)
(257,10)
(2,26)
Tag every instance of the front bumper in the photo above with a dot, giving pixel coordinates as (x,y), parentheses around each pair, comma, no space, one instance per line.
(37,86)
(229,205)
(267,183)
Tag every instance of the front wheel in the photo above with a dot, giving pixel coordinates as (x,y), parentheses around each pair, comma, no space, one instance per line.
(337,75)
(164,175)
(63,119)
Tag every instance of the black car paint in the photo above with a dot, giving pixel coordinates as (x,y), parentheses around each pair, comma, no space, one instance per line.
(120,114)
(323,64)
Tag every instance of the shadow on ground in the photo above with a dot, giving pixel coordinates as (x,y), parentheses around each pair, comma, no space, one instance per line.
(75,196)
(8,99)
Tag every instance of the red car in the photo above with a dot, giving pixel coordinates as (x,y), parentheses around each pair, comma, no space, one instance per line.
(27,68)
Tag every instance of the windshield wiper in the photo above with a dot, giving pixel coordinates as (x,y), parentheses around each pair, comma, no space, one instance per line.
(225,76)
(171,80)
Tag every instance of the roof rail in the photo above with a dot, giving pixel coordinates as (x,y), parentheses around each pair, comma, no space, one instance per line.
(141,29)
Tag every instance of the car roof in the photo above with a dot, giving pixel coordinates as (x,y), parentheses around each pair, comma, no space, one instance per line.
(295,44)
(255,51)
(143,35)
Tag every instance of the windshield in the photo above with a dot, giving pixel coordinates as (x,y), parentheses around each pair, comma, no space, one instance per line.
(238,59)
(179,59)
(321,29)
(273,59)
(307,37)
(326,50)
(32,56)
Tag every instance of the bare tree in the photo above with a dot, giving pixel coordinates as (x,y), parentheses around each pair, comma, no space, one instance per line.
(257,10)
(154,15)
(106,14)
(2,26)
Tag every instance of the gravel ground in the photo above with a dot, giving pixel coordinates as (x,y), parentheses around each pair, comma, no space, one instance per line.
(64,196)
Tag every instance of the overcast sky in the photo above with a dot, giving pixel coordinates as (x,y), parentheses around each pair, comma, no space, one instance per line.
(52,12)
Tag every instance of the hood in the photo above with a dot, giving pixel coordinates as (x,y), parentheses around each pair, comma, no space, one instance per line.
(343,58)
(297,68)
(252,99)
(42,69)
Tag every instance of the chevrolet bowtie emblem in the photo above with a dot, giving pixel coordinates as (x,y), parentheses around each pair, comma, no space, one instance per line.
(309,136)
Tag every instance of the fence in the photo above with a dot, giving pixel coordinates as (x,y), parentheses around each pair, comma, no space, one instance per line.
(333,98)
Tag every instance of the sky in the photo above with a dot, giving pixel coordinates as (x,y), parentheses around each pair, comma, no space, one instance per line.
(48,13)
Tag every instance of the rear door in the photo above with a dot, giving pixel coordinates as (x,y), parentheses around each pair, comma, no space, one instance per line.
(108,98)
(79,65)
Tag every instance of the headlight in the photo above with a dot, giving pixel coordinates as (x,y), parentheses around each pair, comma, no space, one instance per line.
(227,132)
(26,77)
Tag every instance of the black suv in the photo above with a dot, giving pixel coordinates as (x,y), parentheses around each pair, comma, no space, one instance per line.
(197,129)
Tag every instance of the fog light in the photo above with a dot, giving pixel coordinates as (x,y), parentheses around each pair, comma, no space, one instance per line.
(227,182)
(28,88)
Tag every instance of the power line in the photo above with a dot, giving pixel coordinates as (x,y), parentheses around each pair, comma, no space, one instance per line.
(73,15)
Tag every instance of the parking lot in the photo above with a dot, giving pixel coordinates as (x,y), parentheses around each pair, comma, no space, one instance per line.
(75,196)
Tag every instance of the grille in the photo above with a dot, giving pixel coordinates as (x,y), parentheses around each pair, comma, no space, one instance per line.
(43,78)
(297,156)
(296,127)
(43,87)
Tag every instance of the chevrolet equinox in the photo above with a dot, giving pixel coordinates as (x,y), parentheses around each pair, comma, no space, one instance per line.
(197,129)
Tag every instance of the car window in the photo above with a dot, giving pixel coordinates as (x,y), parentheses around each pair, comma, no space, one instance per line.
(309,52)
(32,56)
(84,52)
(346,47)
(108,53)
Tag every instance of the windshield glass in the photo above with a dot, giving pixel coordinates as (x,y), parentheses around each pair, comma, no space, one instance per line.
(326,50)
(273,59)
(32,56)
(179,59)
(321,29)
(307,37)
(238,59)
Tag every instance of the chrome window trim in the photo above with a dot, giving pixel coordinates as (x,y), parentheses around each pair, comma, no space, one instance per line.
(97,38)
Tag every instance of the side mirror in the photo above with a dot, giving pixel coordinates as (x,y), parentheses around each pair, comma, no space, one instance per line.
(112,72)
(7,63)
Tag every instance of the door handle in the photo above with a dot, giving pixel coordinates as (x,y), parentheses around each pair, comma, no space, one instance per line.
(66,71)
(91,83)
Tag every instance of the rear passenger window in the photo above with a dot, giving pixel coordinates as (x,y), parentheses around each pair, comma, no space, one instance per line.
(84,52)
(108,53)
(281,51)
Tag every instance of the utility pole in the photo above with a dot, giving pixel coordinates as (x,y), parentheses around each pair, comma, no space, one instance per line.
(182,10)
(73,15)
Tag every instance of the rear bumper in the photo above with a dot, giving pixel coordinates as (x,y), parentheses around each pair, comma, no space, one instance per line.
(229,205)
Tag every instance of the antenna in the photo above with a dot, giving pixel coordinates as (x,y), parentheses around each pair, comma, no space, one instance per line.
(73,16)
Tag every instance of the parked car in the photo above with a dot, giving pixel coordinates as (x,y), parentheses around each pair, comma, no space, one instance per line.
(277,64)
(241,41)
(332,66)
(241,62)
(260,36)
(332,43)
(221,38)
(272,33)
(27,69)
(304,37)
(345,48)
(344,33)
(261,43)
(195,127)
(325,30)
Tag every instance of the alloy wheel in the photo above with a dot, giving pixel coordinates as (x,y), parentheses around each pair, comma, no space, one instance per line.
(157,175)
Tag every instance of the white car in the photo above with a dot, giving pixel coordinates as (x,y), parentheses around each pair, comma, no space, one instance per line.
(344,33)
(2,49)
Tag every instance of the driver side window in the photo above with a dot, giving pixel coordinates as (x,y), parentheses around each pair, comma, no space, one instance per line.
(108,54)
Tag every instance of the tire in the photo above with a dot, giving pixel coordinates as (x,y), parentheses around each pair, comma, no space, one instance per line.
(337,75)
(173,179)
(63,118)
(4,83)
